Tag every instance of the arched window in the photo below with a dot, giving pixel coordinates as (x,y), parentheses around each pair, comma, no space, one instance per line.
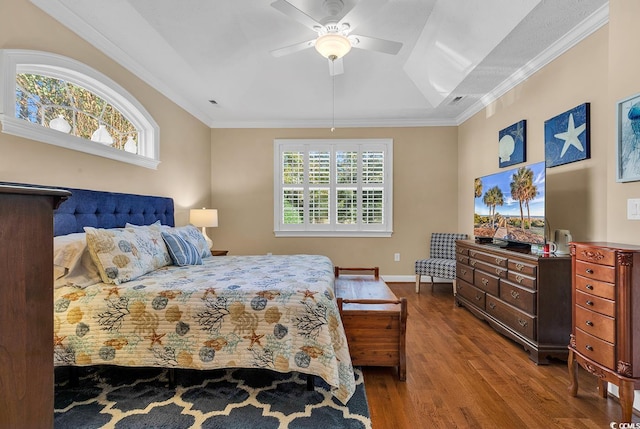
(60,101)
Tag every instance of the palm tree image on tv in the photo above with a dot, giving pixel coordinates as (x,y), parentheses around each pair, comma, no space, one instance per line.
(509,205)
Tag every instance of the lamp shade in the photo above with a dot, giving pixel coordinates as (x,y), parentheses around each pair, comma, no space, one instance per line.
(204,217)
(333,45)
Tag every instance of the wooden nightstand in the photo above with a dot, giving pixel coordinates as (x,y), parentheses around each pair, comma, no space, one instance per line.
(219,252)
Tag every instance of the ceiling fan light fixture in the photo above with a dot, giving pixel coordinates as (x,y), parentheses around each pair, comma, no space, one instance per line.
(333,45)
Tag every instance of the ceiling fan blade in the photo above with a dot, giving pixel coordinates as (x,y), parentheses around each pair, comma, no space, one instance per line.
(362,12)
(280,52)
(375,44)
(295,13)
(336,67)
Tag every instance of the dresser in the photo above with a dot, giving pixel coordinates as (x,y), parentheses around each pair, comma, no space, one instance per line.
(26,306)
(605,332)
(523,296)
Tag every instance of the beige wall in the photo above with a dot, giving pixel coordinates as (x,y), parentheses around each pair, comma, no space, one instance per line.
(576,192)
(624,64)
(184,171)
(424,193)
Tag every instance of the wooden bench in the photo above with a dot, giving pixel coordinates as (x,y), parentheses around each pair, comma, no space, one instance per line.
(374,319)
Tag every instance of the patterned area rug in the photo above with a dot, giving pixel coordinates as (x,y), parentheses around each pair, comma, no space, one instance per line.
(131,398)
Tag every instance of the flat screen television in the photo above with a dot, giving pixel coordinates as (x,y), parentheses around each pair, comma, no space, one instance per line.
(509,206)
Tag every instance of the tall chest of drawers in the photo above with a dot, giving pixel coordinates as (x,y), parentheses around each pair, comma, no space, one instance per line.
(523,296)
(26,305)
(605,334)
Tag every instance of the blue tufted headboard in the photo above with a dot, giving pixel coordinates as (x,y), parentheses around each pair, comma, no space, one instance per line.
(101,209)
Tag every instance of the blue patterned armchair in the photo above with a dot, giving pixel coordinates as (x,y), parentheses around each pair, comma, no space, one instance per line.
(442,258)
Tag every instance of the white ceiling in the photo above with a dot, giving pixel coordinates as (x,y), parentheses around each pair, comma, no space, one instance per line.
(194,51)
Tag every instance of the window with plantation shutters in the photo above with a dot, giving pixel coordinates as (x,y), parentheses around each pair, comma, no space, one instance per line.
(333,187)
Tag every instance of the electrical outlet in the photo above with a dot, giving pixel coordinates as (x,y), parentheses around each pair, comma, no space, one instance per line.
(396,257)
(633,209)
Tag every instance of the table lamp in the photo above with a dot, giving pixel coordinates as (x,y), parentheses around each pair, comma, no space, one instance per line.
(204,218)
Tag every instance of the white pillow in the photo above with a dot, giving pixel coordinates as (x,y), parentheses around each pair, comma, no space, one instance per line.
(72,263)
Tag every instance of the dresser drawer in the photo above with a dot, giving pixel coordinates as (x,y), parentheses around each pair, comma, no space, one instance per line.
(522,268)
(486,282)
(461,250)
(500,261)
(603,327)
(596,255)
(595,349)
(595,303)
(488,268)
(595,287)
(517,320)
(597,272)
(464,272)
(471,293)
(517,296)
(522,280)
(462,259)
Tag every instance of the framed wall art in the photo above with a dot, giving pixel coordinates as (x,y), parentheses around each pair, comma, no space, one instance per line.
(512,143)
(628,148)
(567,137)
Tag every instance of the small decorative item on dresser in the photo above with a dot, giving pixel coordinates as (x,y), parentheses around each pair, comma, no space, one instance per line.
(204,218)
(605,332)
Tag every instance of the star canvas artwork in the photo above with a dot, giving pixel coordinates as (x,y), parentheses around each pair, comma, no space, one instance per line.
(566,137)
(512,144)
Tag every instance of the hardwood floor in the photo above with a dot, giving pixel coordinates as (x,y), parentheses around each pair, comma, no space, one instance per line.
(463,374)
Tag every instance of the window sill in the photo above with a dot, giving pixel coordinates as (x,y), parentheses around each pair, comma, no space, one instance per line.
(28,130)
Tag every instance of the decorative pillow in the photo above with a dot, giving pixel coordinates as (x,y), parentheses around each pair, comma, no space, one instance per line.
(194,236)
(72,263)
(125,254)
(182,252)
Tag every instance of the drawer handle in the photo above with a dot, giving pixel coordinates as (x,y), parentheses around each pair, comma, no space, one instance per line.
(498,271)
(478,297)
(498,261)
(515,294)
(589,286)
(589,323)
(589,271)
(492,305)
(485,281)
(519,279)
(519,267)
(463,271)
(522,323)
(588,347)
(473,263)
(589,303)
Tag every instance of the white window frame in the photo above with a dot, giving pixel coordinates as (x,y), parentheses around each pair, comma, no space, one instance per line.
(333,229)
(17,61)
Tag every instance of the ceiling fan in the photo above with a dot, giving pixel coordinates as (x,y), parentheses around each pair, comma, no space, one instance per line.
(334,38)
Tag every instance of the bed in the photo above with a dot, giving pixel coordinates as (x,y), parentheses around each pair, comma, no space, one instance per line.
(121,299)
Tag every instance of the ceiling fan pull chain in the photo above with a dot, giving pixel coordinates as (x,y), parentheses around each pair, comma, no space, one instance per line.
(333,97)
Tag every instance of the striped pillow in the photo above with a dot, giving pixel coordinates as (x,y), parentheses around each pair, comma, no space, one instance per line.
(182,252)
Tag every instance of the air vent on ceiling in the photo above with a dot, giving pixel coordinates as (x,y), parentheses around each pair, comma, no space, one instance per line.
(456,100)
(214,102)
